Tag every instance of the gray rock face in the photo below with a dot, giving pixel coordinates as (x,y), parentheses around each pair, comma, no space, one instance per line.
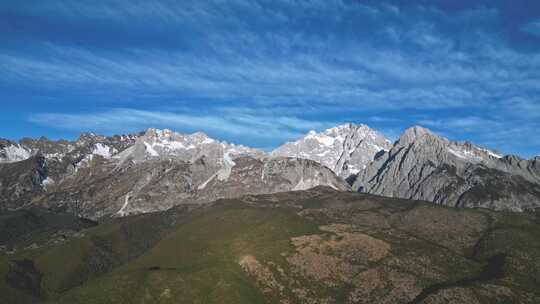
(88,143)
(116,176)
(424,166)
(271,175)
(106,189)
(21,181)
(63,157)
(346,149)
(166,144)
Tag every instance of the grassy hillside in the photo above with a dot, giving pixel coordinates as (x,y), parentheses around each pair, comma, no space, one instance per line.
(317,246)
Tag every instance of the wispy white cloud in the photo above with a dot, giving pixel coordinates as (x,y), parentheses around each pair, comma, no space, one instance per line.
(284,66)
(245,58)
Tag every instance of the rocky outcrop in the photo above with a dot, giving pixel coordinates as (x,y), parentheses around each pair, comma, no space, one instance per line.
(346,149)
(422,165)
(21,181)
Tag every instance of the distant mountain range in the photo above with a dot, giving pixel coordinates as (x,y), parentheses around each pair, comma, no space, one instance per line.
(97,176)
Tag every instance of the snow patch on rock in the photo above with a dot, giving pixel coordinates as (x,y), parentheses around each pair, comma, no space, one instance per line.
(150,150)
(15,153)
(324,139)
(103,150)
(224,173)
(464,154)
(122,211)
(47,182)
(203,185)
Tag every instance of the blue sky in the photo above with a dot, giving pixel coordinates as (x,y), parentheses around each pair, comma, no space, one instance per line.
(264,72)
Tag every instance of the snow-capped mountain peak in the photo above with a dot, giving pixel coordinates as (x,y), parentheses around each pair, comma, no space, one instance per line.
(156,143)
(346,149)
(461,151)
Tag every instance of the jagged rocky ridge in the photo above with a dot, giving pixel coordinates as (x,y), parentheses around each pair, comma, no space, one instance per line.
(422,165)
(99,176)
(346,149)
(29,167)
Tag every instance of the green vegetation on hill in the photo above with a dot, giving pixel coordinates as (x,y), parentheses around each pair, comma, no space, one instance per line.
(317,246)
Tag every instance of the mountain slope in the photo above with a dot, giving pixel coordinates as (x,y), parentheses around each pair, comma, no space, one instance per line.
(315,246)
(107,189)
(423,165)
(99,176)
(345,149)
